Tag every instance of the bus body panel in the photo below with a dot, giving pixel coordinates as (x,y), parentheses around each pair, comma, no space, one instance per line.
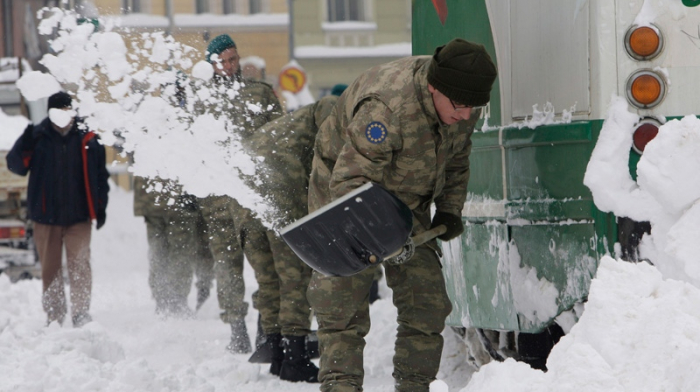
(544,72)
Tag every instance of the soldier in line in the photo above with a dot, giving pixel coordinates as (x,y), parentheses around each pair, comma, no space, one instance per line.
(286,146)
(172,223)
(405,125)
(232,98)
(175,230)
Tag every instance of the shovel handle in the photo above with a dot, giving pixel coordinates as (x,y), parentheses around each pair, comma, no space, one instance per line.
(418,239)
(422,238)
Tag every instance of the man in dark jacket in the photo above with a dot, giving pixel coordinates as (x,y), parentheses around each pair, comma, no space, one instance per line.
(67,190)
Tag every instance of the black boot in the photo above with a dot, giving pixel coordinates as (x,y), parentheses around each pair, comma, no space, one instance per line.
(296,365)
(260,338)
(202,295)
(277,354)
(240,341)
(81,319)
(265,347)
(312,345)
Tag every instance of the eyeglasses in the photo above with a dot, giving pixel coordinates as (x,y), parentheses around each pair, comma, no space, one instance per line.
(460,106)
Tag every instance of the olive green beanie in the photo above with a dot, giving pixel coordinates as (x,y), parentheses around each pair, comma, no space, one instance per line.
(463,71)
(219,44)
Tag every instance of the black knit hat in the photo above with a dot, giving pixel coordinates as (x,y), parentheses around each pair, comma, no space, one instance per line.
(60,100)
(463,71)
(219,44)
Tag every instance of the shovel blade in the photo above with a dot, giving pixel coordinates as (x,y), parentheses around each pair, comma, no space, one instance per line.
(340,239)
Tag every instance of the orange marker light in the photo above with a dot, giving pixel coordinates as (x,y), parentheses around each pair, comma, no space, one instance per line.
(645,89)
(643,43)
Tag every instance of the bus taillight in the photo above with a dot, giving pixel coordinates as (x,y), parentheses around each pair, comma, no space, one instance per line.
(645,89)
(646,130)
(643,43)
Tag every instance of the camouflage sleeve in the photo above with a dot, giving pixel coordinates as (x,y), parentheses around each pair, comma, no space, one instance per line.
(365,156)
(454,194)
(281,177)
(154,196)
(140,196)
(273,108)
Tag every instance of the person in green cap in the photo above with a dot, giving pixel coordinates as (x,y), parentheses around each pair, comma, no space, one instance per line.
(405,125)
(245,105)
(286,148)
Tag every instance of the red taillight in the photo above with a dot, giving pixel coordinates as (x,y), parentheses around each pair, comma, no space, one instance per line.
(12,232)
(646,131)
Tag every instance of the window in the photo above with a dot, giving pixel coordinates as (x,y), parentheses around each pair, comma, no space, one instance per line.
(229,6)
(131,6)
(346,10)
(255,6)
(201,6)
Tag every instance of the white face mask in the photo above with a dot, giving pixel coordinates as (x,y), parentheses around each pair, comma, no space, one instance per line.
(61,118)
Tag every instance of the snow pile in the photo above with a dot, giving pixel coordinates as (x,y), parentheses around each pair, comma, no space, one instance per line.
(639,333)
(666,192)
(641,327)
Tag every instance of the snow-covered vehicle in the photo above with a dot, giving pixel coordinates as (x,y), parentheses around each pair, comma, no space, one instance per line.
(533,234)
(17,254)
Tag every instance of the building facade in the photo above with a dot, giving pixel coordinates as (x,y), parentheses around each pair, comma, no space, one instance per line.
(19,37)
(336,40)
(259,27)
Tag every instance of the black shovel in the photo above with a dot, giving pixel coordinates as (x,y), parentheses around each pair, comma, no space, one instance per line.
(367,226)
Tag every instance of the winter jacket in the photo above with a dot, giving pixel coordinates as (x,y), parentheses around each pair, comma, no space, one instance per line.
(285,146)
(385,129)
(67,174)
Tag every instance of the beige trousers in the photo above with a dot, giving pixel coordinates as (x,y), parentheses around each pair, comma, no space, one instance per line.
(50,240)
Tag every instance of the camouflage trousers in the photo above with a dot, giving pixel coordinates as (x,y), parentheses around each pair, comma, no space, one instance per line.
(204,266)
(172,245)
(341,305)
(282,278)
(224,244)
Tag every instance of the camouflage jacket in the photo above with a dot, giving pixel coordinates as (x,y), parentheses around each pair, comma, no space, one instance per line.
(286,148)
(385,129)
(160,197)
(247,104)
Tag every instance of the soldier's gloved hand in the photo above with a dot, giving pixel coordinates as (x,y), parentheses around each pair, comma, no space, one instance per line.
(452,222)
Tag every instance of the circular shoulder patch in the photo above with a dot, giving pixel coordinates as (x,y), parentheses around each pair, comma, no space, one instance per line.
(375,132)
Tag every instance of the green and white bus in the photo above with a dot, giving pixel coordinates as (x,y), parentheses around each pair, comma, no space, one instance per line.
(533,234)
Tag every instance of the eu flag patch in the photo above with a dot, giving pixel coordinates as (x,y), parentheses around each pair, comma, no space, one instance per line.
(375,132)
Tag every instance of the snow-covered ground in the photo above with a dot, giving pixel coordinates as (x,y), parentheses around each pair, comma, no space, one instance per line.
(129,348)
(640,331)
